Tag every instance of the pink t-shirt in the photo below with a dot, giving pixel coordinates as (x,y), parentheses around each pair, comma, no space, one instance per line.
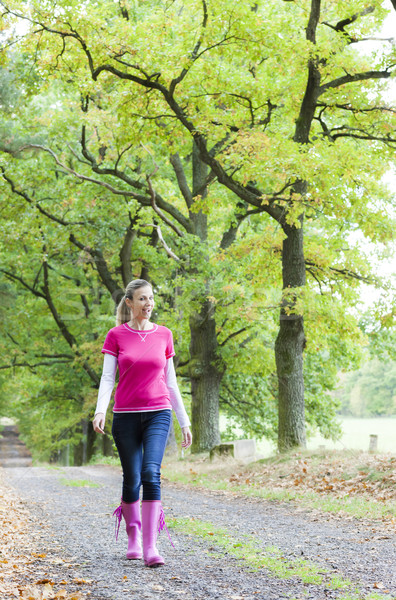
(141,357)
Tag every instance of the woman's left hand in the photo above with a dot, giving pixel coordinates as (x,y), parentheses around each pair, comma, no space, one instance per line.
(187,437)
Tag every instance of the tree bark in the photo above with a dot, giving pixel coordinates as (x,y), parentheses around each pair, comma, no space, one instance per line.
(289,347)
(204,367)
(90,438)
(78,450)
(125,255)
(205,372)
(107,445)
(290,342)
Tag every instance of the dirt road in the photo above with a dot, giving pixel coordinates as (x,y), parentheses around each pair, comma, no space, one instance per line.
(74,527)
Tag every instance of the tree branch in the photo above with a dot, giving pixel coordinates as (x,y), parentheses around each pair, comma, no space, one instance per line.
(100,264)
(353,78)
(225,400)
(251,195)
(170,253)
(142,199)
(154,205)
(124,10)
(115,172)
(354,110)
(238,400)
(195,51)
(241,214)
(79,175)
(345,272)
(181,178)
(69,337)
(31,289)
(33,366)
(35,203)
(46,295)
(232,335)
(361,136)
(340,26)
(312,272)
(125,254)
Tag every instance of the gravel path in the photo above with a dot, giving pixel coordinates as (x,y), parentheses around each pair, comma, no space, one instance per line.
(74,524)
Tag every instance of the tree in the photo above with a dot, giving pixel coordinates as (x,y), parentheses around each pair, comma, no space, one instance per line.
(294,158)
(75,222)
(370,390)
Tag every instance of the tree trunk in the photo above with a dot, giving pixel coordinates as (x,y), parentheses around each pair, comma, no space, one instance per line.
(90,437)
(289,346)
(205,375)
(78,453)
(83,450)
(204,366)
(290,342)
(107,445)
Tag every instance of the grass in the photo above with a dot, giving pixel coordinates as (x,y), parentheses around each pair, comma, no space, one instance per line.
(271,558)
(246,549)
(354,506)
(358,507)
(357,596)
(331,481)
(78,482)
(98,459)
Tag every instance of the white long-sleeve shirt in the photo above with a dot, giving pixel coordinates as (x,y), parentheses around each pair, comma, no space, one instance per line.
(107,384)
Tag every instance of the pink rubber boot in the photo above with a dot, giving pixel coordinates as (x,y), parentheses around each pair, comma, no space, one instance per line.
(131,514)
(151,513)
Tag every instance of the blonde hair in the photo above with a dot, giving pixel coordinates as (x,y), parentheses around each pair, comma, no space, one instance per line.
(123,314)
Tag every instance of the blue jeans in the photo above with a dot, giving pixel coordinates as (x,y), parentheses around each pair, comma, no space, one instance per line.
(141,439)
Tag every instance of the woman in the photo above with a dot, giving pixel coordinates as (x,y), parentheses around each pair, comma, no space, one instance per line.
(146,393)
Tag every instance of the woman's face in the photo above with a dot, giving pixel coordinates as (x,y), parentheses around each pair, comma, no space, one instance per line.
(142,303)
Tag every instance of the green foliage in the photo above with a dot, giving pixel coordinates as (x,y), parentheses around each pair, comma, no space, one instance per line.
(370,391)
(379,324)
(250,403)
(92,90)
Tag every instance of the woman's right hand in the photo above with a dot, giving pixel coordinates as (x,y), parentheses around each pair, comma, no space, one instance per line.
(187,437)
(99,422)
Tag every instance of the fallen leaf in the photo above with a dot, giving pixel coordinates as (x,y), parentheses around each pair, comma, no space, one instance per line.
(378,586)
